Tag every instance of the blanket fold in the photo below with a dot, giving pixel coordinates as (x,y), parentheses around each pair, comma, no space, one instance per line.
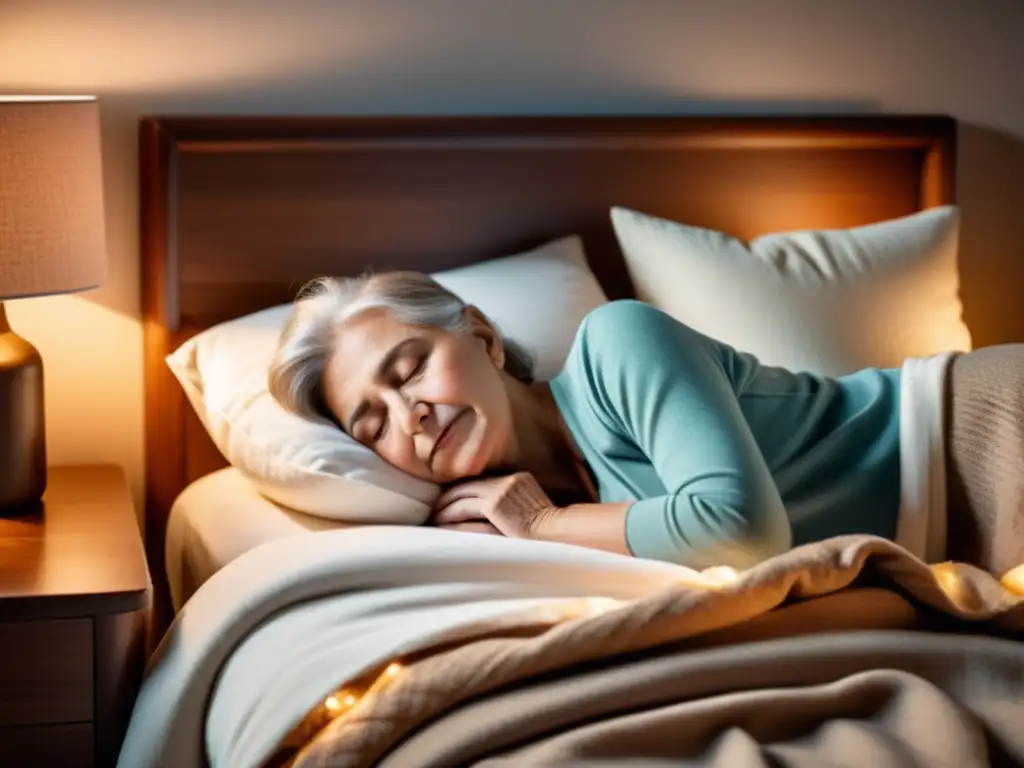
(872,698)
(344,649)
(393,707)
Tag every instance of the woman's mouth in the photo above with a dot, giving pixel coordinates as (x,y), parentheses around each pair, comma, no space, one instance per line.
(447,435)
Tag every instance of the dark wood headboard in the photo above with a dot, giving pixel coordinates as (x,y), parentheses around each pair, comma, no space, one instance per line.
(238,212)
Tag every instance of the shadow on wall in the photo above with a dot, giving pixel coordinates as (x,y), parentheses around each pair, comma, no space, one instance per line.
(990,190)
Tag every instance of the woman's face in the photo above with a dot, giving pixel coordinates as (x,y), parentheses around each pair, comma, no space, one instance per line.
(432,403)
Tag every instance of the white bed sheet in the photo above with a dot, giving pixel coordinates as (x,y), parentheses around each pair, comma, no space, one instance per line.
(219,517)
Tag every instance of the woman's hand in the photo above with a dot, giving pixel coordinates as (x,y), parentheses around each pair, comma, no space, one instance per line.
(514,506)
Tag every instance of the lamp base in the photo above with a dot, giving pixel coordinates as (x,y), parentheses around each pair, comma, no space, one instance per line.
(22,425)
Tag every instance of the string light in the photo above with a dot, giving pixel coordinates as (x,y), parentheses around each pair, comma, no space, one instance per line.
(1013,580)
(949,582)
(345,700)
(339,701)
(720,575)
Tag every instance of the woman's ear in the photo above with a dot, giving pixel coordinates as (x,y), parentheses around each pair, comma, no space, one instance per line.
(481,328)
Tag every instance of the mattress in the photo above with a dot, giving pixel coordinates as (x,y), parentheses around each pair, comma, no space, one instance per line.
(219,517)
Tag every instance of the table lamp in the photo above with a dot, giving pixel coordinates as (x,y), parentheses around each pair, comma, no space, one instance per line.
(52,240)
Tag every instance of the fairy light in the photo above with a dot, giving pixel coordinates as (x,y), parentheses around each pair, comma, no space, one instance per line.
(721,574)
(1013,581)
(339,701)
(585,607)
(949,582)
(342,700)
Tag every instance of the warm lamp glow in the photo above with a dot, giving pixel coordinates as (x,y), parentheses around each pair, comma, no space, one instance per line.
(52,241)
(45,98)
(52,232)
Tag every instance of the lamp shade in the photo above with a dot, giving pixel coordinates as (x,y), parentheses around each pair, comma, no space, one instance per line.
(52,232)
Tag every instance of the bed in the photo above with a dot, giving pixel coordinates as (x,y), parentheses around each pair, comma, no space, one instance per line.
(238,212)
(217,518)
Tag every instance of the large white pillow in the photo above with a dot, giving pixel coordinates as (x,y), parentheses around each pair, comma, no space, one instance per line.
(827,301)
(537,298)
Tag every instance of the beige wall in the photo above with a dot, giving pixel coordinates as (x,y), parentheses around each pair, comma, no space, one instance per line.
(960,57)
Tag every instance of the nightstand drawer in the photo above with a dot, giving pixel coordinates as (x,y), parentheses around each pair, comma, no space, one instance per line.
(47,746)
(45,672)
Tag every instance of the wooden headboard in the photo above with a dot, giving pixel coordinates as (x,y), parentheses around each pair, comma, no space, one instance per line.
(238,212)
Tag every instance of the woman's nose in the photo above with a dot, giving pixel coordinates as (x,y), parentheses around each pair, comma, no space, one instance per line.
(411,416)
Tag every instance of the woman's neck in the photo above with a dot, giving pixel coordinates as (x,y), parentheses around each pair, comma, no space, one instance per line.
(541,444)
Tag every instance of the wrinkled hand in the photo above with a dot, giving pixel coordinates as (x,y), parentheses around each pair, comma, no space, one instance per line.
(512,506)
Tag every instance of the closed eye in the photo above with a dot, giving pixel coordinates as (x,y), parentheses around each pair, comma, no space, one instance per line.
(417,370)
(405,369)
(404,363)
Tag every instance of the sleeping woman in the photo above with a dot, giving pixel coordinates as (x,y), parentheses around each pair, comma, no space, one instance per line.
(653,440)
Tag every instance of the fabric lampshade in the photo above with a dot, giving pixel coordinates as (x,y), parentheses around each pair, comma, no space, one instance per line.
(52,232)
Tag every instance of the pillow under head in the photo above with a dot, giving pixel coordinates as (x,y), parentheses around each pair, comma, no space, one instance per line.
(538,298)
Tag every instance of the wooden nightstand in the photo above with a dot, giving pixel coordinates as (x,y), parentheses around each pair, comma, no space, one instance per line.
(74,605)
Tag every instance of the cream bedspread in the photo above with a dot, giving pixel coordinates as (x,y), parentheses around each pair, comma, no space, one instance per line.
(302,633)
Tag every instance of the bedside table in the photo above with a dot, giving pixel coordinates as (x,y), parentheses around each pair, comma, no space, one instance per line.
(74,608)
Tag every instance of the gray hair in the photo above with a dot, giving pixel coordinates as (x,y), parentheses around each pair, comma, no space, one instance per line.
(325,304)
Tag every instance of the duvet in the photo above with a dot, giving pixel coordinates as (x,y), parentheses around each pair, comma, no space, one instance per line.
(424,647)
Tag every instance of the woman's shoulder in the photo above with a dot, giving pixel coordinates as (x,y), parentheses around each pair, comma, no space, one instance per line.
(631,336)
(622,321)
(629,326)
(621,314)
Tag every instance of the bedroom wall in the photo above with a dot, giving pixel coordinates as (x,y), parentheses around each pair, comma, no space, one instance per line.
(960,57)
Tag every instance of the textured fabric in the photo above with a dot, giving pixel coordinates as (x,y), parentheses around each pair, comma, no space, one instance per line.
(349,599)
(985,458)
(904,698)
(52,230)
(869,699)
(727,461)
(921,529)
(288,623)
(219,517)
(828,301)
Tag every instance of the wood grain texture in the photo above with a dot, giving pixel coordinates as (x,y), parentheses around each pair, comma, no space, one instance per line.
(238,212)
(45,672)
(74,610)
(79,555)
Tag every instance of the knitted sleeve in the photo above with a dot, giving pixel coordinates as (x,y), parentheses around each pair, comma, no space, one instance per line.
(664,388)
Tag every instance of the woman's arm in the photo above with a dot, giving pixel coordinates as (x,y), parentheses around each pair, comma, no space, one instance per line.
(516,506)
(663,386)
(660,386)
(598,526)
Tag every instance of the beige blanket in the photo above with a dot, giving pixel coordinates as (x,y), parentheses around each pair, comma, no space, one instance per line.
(847,652)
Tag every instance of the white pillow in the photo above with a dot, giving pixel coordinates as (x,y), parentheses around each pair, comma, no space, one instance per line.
(827,301)
(537,298)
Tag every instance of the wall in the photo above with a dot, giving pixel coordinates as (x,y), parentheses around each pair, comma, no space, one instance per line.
(960,57)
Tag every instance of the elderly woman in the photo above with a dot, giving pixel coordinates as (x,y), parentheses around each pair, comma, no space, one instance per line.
(653,440)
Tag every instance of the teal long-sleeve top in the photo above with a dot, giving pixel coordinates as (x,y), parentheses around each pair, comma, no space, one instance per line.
(725,461)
